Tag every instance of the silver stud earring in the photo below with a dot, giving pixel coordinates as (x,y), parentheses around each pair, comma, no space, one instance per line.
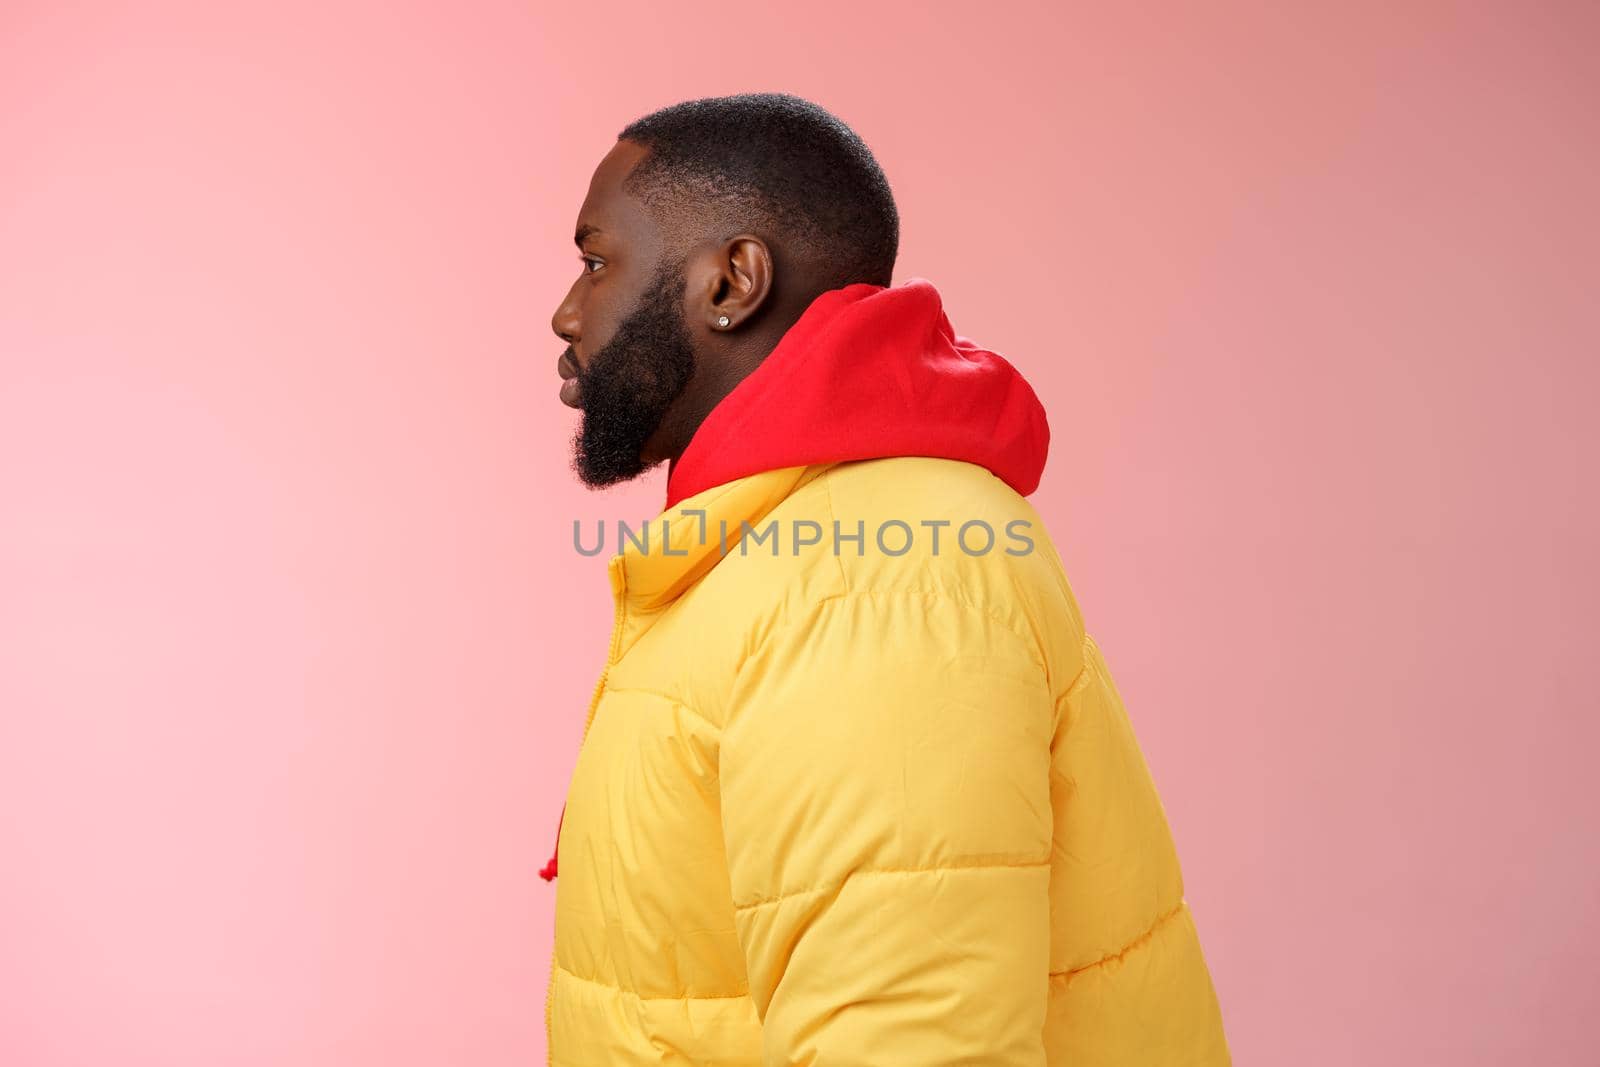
(723,320)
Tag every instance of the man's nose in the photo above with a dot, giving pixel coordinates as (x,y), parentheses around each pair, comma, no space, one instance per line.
(565,321)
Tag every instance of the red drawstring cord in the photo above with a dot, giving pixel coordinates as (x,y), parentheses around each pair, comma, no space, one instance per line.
(548,871)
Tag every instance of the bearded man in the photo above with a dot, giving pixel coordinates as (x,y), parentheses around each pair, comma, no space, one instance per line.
(856,785)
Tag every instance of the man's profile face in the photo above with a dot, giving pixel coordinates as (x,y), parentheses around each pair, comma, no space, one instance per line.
(629,352)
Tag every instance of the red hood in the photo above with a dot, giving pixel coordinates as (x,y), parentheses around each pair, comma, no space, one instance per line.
(869,371)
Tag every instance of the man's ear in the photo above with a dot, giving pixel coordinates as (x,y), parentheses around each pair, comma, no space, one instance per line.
(737,281)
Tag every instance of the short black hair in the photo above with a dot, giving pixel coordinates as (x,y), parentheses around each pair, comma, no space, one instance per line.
(787,162)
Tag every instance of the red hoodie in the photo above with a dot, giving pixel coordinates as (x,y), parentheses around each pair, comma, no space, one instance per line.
(868,371)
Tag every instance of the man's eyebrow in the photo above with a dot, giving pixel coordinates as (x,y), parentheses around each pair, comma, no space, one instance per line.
(583,233)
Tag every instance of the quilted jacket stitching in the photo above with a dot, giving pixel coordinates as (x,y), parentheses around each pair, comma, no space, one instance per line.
(639,996)
(668,697)
(1138,942)
(816,607)
(937,868)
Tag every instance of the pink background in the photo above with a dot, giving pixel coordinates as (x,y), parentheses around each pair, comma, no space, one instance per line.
(294,649)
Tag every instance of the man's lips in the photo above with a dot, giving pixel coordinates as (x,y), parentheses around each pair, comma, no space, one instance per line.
(571,391)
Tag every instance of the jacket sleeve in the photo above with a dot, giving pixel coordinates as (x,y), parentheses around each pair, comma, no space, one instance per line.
(885,802)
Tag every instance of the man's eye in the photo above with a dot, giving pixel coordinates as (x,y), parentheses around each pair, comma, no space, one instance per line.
(590,263)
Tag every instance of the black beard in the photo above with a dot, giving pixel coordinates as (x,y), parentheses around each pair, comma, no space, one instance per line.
(631,382)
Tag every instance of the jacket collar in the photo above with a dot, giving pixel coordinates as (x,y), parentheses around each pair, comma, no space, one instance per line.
(670,553)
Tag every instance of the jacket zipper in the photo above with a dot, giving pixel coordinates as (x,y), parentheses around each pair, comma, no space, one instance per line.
(619,596)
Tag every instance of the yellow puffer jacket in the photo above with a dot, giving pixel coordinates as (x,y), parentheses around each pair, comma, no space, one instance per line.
(843,804)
